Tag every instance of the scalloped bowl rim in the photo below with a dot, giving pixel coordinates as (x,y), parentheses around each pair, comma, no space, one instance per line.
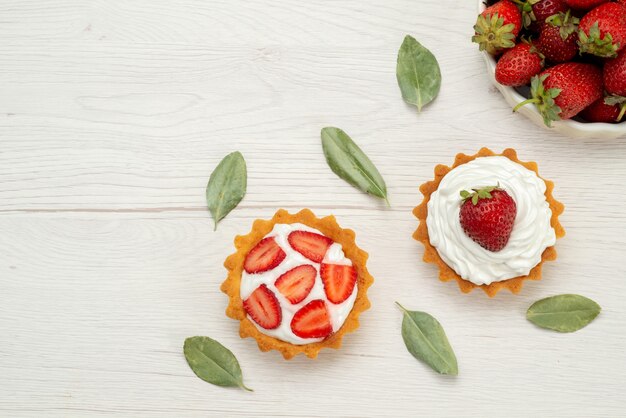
(568,127)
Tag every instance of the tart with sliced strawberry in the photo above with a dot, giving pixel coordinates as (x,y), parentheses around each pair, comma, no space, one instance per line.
(297,283)
(488,221)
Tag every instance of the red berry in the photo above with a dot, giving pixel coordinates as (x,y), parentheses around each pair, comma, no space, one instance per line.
(602,31)
(296,284)
(562,91)
(487,217)
(599,111)
(311,245)
(339,281)
(558,38)
(546,8)
(263,307)
(518,65)
(312,321)
(615,75)
(584,4)
(265,256)
(497,27)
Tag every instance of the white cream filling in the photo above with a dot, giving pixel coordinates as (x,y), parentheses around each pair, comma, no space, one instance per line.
(531,235)
(334,255)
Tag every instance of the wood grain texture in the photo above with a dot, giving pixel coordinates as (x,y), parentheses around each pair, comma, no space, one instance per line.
(114,113)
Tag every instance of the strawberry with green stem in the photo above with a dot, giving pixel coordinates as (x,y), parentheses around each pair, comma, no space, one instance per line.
(487,216)
(535,12)
(558,37)
(602,31)
(563,91)
(605,110)
(526,7)
(620,103)
(497,27)
(546,8)
(518,65)
(614,74)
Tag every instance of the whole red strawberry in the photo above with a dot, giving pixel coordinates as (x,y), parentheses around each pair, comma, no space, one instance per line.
(584,4)
(535,12)
(518,65)
(620,102)
(487,216)
(600,111)
(497,27)
(558,38)
(562,91)
(602,31)
(543,9)
(615,75)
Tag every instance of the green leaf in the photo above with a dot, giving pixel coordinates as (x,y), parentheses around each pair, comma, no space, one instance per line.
(426,340)
(213,363)
(227,186)
(347,160)
(418,73)
(563,313)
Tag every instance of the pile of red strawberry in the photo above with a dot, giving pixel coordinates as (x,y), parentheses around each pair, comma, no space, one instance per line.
(572,53)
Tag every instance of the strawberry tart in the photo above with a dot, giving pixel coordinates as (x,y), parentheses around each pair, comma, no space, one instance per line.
(489,221)
(297,283)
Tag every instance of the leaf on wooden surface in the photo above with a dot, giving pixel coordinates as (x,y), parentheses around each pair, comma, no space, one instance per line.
(350,163)
(563,313)
(426,340)
(227,186)
(418,73)
(213,363)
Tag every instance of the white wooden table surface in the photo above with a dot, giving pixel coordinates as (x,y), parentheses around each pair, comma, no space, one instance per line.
(113,114)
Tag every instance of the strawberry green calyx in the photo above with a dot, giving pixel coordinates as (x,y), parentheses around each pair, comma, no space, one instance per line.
(483,193)
(543,99)
(595,44)
(617,101)
(528,16)
(566,23)
(492,35)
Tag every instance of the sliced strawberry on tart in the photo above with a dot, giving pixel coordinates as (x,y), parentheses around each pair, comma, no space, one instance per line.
(265,256)
(263,307)
(297,283)
(310,244)
(339,281)
(312,321)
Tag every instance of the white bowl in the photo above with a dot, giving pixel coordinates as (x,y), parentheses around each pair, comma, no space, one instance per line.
(567,127)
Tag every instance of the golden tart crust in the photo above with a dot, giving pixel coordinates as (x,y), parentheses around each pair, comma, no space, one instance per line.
(260,228)
(431,255)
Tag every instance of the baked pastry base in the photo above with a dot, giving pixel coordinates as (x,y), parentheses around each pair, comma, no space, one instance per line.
(431,255)
(234,264)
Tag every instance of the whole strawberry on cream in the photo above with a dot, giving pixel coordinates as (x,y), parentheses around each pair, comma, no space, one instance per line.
(297,283)
(488,221)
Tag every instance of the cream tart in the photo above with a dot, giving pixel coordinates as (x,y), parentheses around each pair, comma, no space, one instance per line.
(297,283)
(474,188)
